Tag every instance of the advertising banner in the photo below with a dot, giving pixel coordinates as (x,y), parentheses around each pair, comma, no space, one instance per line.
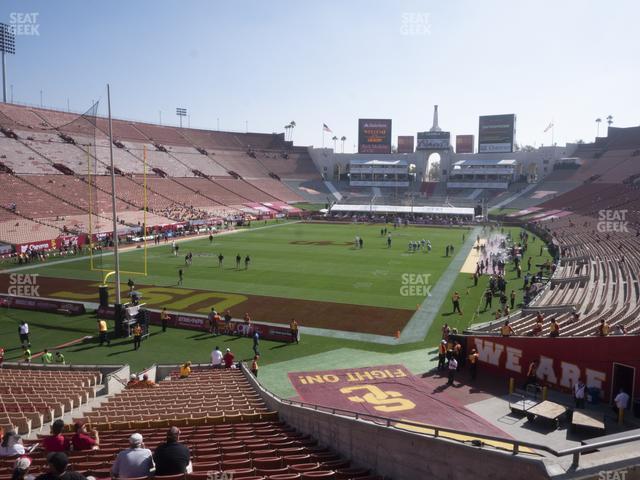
(433,140)
(374,135)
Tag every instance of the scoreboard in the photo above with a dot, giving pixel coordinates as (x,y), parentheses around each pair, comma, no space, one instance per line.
(374,135)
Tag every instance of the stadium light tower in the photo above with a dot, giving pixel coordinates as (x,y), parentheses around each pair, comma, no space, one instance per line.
(181,112)
(7,46)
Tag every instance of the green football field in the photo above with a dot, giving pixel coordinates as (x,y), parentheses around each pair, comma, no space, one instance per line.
(296,260)
(308,268)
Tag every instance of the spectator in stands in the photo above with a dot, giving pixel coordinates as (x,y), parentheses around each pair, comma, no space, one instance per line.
(11,444)
(603,328)
(216,358)
(554,328)
(1,355)
(146,383)
(620,330)
(621,401)
(172,457)
(82,440)
(133,381)
(575,315)
(134,462)
(228,358)
(537,327)
(23,332)
(58,463)
(21,468)
(506,330)
(56,442)
(185,370)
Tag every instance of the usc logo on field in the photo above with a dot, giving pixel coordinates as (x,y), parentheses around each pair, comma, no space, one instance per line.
(384,401)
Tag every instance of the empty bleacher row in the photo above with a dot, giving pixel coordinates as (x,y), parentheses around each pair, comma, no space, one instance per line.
(181,150)
(597,274)
(222,420)
(205,393)
(256,451)
(28,398)
(46,157)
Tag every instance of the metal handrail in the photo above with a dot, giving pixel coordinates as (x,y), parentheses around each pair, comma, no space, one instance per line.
(438,430)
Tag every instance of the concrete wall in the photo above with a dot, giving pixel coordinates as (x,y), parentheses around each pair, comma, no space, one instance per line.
(116,380)
(540,160)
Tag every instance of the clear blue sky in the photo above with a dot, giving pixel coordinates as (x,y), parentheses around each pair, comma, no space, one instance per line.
(270,62)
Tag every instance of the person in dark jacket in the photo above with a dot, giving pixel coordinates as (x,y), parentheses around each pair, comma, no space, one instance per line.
(172,457)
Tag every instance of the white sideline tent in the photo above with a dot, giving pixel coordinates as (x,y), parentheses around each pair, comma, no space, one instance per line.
(428,210)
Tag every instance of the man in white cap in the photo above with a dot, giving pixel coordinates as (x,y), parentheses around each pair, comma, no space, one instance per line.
(136,461)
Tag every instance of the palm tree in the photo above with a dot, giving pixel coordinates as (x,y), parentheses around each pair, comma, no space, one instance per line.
(287,129)
(342,139)
(598,121)
(292,124)
(609,120)
(335,139)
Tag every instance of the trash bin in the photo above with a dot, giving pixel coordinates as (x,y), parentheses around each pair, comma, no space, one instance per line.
(593,395)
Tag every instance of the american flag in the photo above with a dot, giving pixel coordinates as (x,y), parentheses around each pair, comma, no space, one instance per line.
(325,128)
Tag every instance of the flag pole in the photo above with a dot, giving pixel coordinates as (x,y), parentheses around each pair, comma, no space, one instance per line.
(323,136)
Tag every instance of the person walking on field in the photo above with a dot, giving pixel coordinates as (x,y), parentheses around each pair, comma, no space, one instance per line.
(23,332)
(442,354)
(293,327)
(455,300)
(256,342)
(473,363)
(103,335)
(254,365)
(453,367)
(137,336)
(164,319)
(180,276)
(238,258)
